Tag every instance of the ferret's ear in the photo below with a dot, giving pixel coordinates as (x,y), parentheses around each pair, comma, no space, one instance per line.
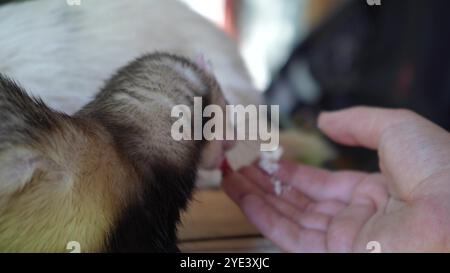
(20,167)
(17,167)
(24,124)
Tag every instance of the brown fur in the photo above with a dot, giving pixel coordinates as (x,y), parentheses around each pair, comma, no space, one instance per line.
(77,178)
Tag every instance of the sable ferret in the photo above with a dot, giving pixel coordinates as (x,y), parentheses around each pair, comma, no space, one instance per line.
(109,177)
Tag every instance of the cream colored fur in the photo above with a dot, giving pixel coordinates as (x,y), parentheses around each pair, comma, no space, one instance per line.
(75,193)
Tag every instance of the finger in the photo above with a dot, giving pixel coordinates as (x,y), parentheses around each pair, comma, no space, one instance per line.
(372,190)
(260,179)
(238,186)
(345,227)
(369,197)
(330,208)
(405,141)
(361,126)
(295,213)
(282,231)
(305,219)
(318,184)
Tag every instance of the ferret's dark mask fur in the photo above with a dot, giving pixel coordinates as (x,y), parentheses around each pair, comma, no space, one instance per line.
(110,177)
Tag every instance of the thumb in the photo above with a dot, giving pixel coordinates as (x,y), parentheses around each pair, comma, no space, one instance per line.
(361,126)
(410,147)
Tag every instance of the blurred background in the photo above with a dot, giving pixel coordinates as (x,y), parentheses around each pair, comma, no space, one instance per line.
(314,55)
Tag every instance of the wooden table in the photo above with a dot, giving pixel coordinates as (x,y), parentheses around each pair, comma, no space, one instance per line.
(213,223)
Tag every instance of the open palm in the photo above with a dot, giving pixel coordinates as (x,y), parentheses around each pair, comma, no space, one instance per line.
(403,208)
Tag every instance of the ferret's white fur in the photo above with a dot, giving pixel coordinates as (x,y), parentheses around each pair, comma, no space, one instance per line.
(64,53)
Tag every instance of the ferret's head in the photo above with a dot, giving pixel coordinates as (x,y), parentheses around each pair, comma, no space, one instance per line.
(140,97)
(214,152)
(201,76)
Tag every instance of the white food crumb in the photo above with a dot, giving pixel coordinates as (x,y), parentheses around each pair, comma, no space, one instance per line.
(277,187)
(269,167)
(269,163)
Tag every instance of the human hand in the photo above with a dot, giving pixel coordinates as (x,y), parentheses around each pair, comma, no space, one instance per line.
(405,207)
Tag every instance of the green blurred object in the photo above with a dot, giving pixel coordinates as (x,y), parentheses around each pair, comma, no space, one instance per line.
(306,147)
